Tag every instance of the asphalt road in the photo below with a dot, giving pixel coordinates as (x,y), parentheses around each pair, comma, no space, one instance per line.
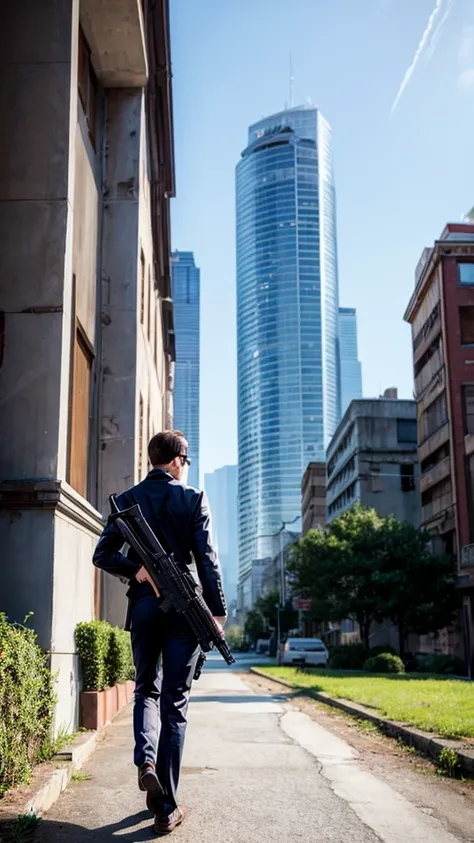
(255,771)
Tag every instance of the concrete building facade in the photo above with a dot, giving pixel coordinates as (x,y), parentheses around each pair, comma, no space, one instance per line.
(186,286)
(441,313)
(86,338)
(373,459)
(313,497)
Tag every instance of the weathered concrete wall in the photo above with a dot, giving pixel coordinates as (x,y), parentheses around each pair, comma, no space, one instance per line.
(73,601)
(37,94)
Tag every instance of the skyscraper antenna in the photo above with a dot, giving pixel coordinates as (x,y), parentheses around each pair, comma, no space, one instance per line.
(291,81)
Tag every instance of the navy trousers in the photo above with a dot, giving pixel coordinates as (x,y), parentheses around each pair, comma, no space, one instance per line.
(161,695)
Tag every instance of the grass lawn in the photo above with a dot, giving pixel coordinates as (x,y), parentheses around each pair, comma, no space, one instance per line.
(443,706)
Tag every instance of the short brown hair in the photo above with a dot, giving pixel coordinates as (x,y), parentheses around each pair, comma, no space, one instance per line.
(165,446)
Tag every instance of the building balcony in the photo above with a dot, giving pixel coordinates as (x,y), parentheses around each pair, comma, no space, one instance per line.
(439,509)
(114,30)
(434,442)
(436,474)
(428,340)
(437,388)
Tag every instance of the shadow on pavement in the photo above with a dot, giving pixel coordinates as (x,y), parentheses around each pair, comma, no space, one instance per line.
(50,831)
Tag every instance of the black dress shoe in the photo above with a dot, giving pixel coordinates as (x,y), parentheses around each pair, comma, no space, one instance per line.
(166,823)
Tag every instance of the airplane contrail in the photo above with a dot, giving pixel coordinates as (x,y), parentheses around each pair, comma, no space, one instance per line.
(432,29)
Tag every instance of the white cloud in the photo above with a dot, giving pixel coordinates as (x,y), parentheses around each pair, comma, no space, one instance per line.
(428,41)
(466,79)
(466,47)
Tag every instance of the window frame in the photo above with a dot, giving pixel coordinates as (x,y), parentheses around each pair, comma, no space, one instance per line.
(87,86)
(460,281)
(78,463)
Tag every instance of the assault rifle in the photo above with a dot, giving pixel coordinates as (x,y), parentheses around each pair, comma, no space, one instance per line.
(177,588)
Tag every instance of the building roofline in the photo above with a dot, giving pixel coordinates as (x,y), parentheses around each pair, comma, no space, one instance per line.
(356,402)
(436,252)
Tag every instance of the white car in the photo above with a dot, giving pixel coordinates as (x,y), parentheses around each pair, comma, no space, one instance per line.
(310,651)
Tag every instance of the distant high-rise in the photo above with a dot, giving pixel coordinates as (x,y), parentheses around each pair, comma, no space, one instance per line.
(287,319)
(351,369)
(221,489)
(186,302)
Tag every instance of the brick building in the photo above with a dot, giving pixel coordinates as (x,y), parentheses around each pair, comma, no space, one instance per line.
(441,313)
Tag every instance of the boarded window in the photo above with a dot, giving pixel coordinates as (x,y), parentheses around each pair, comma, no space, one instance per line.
(86,83)
(468,401)
(407,477)
(375,478)
(466,319)
(81,382)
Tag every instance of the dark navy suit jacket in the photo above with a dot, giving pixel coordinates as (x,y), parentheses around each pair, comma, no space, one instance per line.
(180,517)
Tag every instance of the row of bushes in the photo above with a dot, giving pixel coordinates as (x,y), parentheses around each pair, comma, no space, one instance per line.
(356,657)
(27,703)
(105,653)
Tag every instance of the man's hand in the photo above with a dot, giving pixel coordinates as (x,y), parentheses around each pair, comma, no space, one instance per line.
(142,576)
(220,623)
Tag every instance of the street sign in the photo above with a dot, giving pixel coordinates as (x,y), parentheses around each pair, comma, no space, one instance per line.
(301,605)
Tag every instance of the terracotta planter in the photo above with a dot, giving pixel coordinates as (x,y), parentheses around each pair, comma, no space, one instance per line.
(100,707)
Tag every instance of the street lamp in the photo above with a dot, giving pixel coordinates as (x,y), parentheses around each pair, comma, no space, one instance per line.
(281,605)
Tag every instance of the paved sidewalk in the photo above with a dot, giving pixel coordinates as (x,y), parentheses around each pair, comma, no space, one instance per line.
(255,771)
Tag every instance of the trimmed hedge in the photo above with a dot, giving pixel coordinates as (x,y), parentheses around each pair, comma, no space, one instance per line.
(27,703)
(440,663)
(354,656)
(384,663)
(105,653)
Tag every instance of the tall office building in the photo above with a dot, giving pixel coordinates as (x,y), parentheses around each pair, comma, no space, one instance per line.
(221,489)
(351,369)
(287,319)
(185,277)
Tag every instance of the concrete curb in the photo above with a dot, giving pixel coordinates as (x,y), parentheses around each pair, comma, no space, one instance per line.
(71,758)
(425,742)
(49,780)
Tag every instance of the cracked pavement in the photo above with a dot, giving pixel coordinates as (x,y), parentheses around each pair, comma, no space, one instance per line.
(255,769)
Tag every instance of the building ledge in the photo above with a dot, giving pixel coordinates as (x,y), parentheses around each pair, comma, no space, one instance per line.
(17,495)
(115,33)
(436,474)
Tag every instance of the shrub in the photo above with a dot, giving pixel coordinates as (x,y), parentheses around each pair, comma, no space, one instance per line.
(93,644)
(26,704)
(119,662)
(235,637)
(347,657)
(440,663)
(105,653)
(384,663)
(382,648)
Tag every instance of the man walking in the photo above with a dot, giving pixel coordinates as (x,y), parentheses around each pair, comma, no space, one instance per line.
(180,517)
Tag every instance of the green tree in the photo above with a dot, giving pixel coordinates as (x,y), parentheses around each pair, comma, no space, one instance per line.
(255,626)
(370,568)
(335,569)
(268,607)
(417,588)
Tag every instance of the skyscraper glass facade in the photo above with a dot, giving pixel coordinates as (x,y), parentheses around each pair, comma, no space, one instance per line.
(351,369)
(221,489)
(185,277)
(287,319)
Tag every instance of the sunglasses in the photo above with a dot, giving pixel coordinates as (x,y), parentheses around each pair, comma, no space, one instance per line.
(184,459)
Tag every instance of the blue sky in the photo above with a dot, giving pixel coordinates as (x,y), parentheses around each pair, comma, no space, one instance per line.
(399,176)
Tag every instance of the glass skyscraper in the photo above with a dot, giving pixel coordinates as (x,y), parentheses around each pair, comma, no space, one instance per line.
(221,489)
(351,369)
(185,278)
(287,319)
